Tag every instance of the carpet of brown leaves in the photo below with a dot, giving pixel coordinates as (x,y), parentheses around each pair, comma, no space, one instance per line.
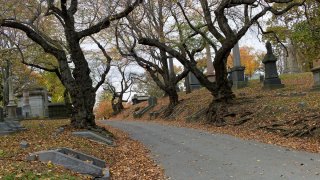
(127,160)
(268,108)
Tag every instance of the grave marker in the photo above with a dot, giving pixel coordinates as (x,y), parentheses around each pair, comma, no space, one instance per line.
(272,80)
(237,72)
(73,160)
(316,75)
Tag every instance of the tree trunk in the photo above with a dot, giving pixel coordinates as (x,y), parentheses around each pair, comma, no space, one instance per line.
(82,116)
(223,92)
(67,101)
(117,107)
(187,84)
(173,101)
(218,108)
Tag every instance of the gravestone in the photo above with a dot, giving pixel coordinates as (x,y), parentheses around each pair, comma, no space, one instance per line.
(237,75)
(26,109)
(34,102)
(290,61)
(11,106)
(1,115)
(73,160)
(194,82)
(261,78)
(152,102)
(272,80)
(316,75)
(136,99)
(8,127)
(95,137)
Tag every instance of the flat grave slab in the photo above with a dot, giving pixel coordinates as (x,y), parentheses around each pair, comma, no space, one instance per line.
(8,127)
(74,160)
(95,137)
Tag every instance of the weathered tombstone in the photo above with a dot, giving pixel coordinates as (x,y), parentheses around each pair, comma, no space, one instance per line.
(272,80)
(26,109)
(1,115)
(290,61)
(8,127)
(237,70)
(24,144)
(138,99)
(194,82)
(74,160)
(12,106)
(95,137)
(316,75)
(152,101)
(261,77)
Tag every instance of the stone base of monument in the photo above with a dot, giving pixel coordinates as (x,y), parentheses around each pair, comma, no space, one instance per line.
(8,127)
(95,137)
(316,78)
(239,84)
(73,160)
(238,79)
(272,83)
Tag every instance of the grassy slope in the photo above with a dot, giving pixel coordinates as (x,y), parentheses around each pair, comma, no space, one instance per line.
(267,107)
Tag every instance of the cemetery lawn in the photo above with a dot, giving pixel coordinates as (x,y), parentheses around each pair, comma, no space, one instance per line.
(127,160)
(288,117)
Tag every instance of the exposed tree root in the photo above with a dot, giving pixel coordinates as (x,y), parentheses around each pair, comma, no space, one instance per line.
(216,113)
(297,128)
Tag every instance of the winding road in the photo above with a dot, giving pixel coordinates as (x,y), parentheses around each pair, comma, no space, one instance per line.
(189,154)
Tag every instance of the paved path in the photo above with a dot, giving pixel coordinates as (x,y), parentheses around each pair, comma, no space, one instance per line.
(193,154)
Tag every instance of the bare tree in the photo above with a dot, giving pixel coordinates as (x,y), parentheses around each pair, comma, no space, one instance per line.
(72,66)
(118,88)
(152,19)
(222,25)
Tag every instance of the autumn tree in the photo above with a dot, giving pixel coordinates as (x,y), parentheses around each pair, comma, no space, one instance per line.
(301,26)
(222,25)
(103,110)
(65,42)
(248,59)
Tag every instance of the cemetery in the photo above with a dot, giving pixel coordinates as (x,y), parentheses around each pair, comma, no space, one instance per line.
(159,89)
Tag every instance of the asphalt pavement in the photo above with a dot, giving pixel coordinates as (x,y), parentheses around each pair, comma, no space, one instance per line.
(189,154)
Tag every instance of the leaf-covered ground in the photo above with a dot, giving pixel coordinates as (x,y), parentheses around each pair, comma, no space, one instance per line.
(127,160)
(288,117)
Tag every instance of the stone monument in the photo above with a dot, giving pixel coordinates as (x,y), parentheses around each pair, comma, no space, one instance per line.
(237,72)
(34,102)
(11,106)
(26,108)
(1,115)
(194,82)
(271,80)
(316,75)
(210,69)
(10,125)
(290,59)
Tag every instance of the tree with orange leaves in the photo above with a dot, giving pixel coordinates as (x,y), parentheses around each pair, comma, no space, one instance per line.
(248,58)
